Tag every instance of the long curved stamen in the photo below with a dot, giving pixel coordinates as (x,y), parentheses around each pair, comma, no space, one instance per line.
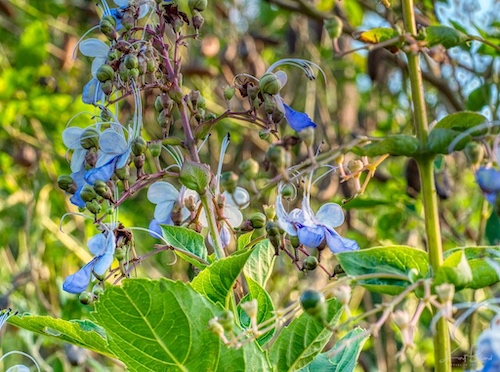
(176,154)
(137,121)
(105,8)
(223,148)
(150,15)
(245,75)
(23,354)
(72,214)
(303,64)
(469,131)
(204,141)
(73,55)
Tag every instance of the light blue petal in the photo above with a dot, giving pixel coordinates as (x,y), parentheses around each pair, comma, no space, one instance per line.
(298,120)
(163,210)
(103,263)
(330,214)
(123,159)
(79,281)
(112,142)
(94,48)
(78,159)
(225,236)
(103,173)
(154,226)
(338,244)
(162,191)
(71,137)
(310,236)
(97,244)
(240,197)
(284,220)
(488,180)
(92,92)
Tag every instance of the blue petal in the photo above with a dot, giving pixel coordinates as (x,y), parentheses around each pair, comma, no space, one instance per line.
(488,180)
(76,199)
(298,120)
(338,244)
(310,236)
(92,92)
(79,281)
(103,173)
(79,179)
(116,13)
(154,226)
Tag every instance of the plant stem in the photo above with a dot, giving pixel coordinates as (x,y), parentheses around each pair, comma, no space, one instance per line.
(442,350)
(212,225)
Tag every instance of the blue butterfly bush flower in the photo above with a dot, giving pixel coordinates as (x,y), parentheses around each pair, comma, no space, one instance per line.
(102,246)
(313,229)
(488,180)
(99,50)
(488,347)
(124,5)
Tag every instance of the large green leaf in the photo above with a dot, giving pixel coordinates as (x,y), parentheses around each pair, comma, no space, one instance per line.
(399,144)
(461,121)
(399,260)
(243,240)
(260,262)
(492,231)
(265,308)
(82,333)
(479,97)
(344,360)
(456,270)
(303,339)
(217,280)
(186,240)
(162,325)
(440,139)
(446,36)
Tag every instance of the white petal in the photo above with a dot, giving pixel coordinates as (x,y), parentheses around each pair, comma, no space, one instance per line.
(233,215)
(143,10)
(163,210)
(94,48)
(96,63)
(281,75)
(240,198)
(78,159)
(162,191)
(121,3)
(112,142)
(331,215)
(71,137)
(284,220)
(103,263)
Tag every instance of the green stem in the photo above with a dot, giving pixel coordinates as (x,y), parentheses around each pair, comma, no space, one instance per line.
(442,349)
(212,225)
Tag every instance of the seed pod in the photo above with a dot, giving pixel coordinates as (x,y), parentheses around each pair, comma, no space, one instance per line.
(105,73)
(229,93)
(229,180)
(270,84)
(313,303)
(66,183)
(258,220)
(102,189)
(89,138)
(311,263)
(88,193)
(139,146)
(131,61)
(155,148)
(249,168)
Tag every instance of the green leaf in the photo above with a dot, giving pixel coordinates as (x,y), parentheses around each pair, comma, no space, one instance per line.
(455,270)
(217,280)
(83,333)
(243,240)
(265,308)
(186,240)
(162,325)
(440,139)
(492,231)
(479,98)
(446,36)
(363,202)
(461,121)
(303,339)
(260,262)
(354,13)
(479,259)
(399,144)
(344,360)
(398,260)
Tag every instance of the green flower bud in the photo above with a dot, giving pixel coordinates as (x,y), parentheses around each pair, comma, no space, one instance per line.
(229,93)
(199,5)
(104,73)
(123,173)
(155,148)
(269,104)
(107,87)
(251,308)
(270,84)
(214,326)
(108,27)
(194,97)
(113,55)
(272,229)
(102,189)
(310,263)
(294,241)
(288,191)
(226,320)
(249,168)
(474,152)
(253,92)
(159,104)
(86,298)
(258,220)
(97,290)
(229,181)
(133,73)
(270,211)
(89,138)
(175,95)
(66,183)
(195,176)
(334,26)
(109,19)
(139,146)
(277,156)
(150,65)
(172,141)
(119,254)
(93,206)
(263,134)
(131,61)
(307,135)
(88,193)
(313,303)
(355,165)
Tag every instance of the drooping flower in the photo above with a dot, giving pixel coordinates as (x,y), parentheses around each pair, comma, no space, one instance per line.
(312,229)
(102,246)
(99,50)
(488,180)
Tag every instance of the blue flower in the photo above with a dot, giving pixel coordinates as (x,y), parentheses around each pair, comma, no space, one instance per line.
(297,120)
(102,246)
(488,180)
(314,229)
(79,179)
(99,50)
(488,347)
(72,139)
(123,5)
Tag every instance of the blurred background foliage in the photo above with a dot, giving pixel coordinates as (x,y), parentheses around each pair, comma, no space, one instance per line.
(366,93)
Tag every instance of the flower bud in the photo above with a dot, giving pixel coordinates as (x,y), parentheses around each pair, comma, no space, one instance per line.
(294,241)
(270,84)
(288,191)
(159,104)
(249,168)
(229,92)
(107,87)
(123,173)
(226,319)
(89,138)
(155,148)
(195,176)
(197,20)
(86,298)
(229,181)
(445,292)
(131,61)
(139,146)
(133,73)
(258,220)
(264,134)
(104,73)
(199,5)
(269,211)
(102,189)
(251,308)
(310,263)
(333,26)
(108,27)
(91,158)
(215,327)
(272,229)
(88,193)
(269,104)
(355,166)
(119,254)
(307,135)
(474,152)
(139,161)
(97,290)
(93,206)
(313,303)
(194,97)
(277,156)
(175,95)
(66,183)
